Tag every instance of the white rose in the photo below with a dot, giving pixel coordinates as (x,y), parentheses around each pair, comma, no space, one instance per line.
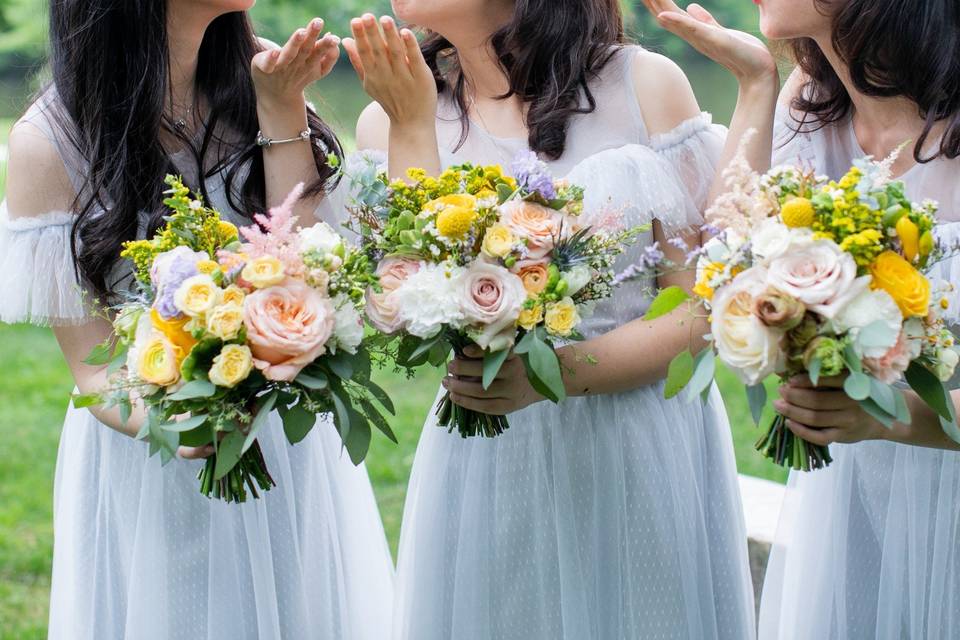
(744,343)
(577,278)
(428,300)
(773,239)
(348,325)
(320,238)
(946,364)
(867,308)
(819,274)
(491,299)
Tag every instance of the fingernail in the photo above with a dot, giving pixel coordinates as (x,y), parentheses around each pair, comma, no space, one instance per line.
(779,405)
(316,23)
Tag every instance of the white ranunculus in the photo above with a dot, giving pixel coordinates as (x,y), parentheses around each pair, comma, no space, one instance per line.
(429,299)
(348,325)
(577,278)
(820,275)
(320,238)
(746,345)
(946,364)
(867,308)
(773,239)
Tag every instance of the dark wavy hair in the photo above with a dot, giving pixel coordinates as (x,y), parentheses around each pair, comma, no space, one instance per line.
(892,48)
(110,67)
(550,51)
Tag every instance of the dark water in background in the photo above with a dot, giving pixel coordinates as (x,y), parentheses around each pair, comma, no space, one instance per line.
(340,97)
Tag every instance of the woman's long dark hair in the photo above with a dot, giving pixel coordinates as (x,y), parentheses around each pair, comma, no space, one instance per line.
(110,63)
(903,48)
(550,51)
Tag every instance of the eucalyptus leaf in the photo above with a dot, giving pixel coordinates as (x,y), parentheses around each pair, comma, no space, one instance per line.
(341,414)
(504,193)
(884,395)
(199,437)
(666,302)
(816,364)
(263,416)
(358,442)
(492,363)
(85,400)
(704,371)
(757,399)
(382,397)
(315,382)
(228,454)
(903,411)
(878,335)
(951,429)
(541,361)
(378,420)
(341,364)
(184,425)
(100,354)
(877,412)
(852,359)
(297,423)
(678,374)
(195,389)
(857,385)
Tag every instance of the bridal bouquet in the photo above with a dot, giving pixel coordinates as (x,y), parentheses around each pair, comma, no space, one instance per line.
(227,326)
(823,278)
(477,257)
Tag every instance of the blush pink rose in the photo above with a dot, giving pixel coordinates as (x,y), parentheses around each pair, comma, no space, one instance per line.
(491,299)
(539,226)
(288,326)
(819,275)
(382,309)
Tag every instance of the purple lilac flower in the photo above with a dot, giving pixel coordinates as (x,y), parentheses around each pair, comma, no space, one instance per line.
(168,272)
(533,175)
(694,255)
(678,243)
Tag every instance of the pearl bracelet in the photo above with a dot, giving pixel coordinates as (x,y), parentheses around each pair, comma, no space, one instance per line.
(265,142)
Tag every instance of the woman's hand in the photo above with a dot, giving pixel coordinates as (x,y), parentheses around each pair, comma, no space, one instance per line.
(393,71)
(281,74)
(825,414)
(746,56)
(509,392)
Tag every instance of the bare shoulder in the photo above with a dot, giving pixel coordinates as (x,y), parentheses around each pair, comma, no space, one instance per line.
(663,92)
(373,128)
(37,180)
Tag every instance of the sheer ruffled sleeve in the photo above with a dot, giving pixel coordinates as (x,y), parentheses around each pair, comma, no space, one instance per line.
(791,146)
(38,283)
(333,208)
(693,150)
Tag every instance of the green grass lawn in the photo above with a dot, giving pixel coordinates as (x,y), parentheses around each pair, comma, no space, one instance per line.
(34,386)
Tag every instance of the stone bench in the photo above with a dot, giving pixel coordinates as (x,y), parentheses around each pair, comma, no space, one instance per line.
(762,500)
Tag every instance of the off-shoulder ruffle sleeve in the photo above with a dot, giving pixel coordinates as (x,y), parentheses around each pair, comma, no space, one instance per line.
(667,180)
(333,208)
(791,146)
(38,282)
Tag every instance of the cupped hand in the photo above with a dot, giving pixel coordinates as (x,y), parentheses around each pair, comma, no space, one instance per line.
(392,69)
(510,391)
(824,414)
(281,74)
(744,55)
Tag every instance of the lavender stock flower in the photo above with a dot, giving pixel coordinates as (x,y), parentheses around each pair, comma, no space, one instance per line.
(169,271)
(533,175)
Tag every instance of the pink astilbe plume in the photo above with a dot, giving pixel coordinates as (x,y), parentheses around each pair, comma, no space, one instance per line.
(275,235)
(743,206)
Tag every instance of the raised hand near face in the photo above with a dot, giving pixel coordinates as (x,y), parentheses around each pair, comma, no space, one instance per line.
(281,74)
(744,55)
(392,70)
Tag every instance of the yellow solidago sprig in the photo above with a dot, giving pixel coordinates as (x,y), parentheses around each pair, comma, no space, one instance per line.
(190,224)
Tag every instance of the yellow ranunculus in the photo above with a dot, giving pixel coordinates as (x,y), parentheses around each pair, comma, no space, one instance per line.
(530,318)
(174,330)
(561,318)
(907,286)
(207,267)
(159,360)
(233,295)
(797,213)
(197,295)
(231,366)
(498,241)
(909,234)
(263,272)
(225,321)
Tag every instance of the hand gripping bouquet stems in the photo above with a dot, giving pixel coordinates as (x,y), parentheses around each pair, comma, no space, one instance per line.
(478,257)
(227,325)
(809,276)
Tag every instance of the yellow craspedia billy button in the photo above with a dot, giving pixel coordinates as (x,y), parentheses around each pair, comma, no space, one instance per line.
(797,213)
(456,214)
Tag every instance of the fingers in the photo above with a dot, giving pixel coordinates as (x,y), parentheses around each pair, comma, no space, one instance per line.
(266,61)
(473,388)
(350,46)
(465,368)
(473,351)
(690,29)
(656,7)
(290,50)
(804,382)
(822,437)
(196,453)
(394,44)
(702,15)
(413,52)
(495,408)
(816,399)
(811,417)
(325,54)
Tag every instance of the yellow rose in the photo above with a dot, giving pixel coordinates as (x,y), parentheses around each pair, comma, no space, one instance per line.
(232,366)
(907,286)
(174,330)
(498,241)
(234,295)
(797,213)
(197,295)
(263,272)
(561,318)
(159,360)
(225,321)
(530,318)
(207,267)
(909,234)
